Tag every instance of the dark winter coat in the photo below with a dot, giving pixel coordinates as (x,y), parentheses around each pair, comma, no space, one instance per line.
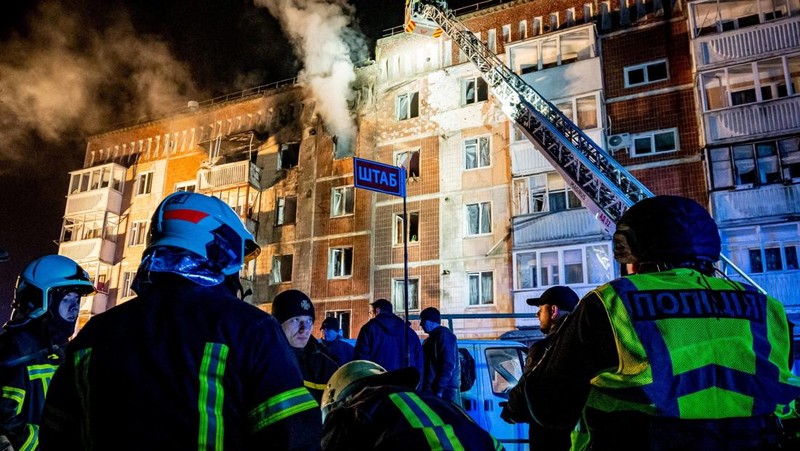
(316,366)
(181,367)
(442,367)
(382,340)
(340,350)
(393,418)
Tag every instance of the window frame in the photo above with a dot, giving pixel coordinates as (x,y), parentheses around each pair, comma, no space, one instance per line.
(480,90)
(411,227)
(651,135)
(644,67)
(412,166)
(345,256)
(482,205)
(479,157)
(344,209)
(284,204)
(480,298)
(411,107)
(137,233)
(724,172)
(126,290)
(279,263)
(413,294)
(144,183)
(599,270)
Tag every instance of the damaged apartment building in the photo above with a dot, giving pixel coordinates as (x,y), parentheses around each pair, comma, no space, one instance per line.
(709,108)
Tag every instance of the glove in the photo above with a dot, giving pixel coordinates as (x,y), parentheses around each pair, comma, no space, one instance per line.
(507,415)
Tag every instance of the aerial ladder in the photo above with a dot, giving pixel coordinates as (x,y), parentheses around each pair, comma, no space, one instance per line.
(603,185)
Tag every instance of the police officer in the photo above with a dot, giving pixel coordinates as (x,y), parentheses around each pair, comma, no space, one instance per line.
(365,407)
(295,311)
(340,350)
(669,357)
(186,364)
(45,310)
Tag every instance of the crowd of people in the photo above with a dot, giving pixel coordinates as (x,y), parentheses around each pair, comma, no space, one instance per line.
(670,356)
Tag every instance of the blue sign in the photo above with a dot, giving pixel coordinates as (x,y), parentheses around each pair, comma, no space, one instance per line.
(379,177)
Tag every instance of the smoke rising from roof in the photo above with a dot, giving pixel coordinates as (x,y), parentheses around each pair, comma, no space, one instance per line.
(65,79)
(324,40)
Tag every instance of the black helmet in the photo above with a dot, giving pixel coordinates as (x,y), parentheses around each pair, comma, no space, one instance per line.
(669,230)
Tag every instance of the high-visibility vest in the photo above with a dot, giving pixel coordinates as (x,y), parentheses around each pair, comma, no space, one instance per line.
(694,347)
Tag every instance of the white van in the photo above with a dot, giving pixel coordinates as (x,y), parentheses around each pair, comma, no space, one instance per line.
(498,365)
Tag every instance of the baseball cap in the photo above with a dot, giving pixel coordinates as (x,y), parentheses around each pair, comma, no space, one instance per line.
(562,297)
(330,323)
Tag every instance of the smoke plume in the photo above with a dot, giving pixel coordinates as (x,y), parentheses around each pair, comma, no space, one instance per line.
(325,42)
(61,79)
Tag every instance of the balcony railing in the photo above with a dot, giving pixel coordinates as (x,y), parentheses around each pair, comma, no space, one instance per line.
(736,45)
(90,250)
(747,204)
(568,225)
(228,175)
(772,117)
(104,199)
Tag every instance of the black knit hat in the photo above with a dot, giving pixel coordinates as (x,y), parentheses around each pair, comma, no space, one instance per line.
(291,303)
(430,314)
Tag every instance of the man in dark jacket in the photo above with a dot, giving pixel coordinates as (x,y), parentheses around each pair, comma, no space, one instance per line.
(442,367)
(45,309)
(384,338)
(367,408)
(554,305)
(295,311)
(186,364)
(337,348)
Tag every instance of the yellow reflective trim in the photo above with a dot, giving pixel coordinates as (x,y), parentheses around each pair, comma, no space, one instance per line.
(15,394)
(315,386)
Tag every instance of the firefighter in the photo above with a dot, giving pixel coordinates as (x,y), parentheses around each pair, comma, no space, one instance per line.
(295,311)
(668,357)
(45,310)
(186,364)
(365,407)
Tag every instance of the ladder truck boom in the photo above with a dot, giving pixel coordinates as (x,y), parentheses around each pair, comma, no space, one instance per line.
(603,185)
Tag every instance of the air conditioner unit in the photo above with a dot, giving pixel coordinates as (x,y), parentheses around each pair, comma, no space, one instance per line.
(619,141)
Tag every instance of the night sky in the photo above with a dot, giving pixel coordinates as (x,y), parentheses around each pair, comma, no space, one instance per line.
(72,68)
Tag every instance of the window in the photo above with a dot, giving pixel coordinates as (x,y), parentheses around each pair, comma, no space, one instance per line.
(285,210)
(90,226)
(505,368)
(344,320)
(554,22)
(763,249)
(713,17)
(591,264)
(479,218)
(477,152)
(281,269)
(537,25)
(187,187)
(408,160)
(761,163)
(543,193)
(492,40)
(412,231)
(523,29)
(342,201)
(655,142)
(97,178)
(552,50)
(642,74)
(473,90)
(138,233)
(127,282)
(340,262)
(407,106)
(481,288)
(398,287)
(506,32)
(144,183)
(289,155)
(448,53)
(750,83)
(587,109)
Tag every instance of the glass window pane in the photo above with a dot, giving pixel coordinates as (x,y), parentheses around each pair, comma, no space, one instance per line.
(768,170)
(526,270)
(472,219)
(744,164)
(665,142)
(742,85)
(573,266)
(772,79)
(485,153)
(721,170)
(486,217)
(549,53)
(791,257)
(756,265)
(790,157)
(487,288)
(587,112)
(773,256)
(599,264)
(715,89)
(575,46)
(566,108)
(473,289)
(549,268)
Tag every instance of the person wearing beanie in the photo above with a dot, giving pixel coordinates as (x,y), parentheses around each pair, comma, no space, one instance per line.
(337,348)
(295,311)
(441,365)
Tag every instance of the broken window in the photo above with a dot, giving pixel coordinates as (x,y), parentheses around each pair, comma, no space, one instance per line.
(407,105)
(288,156)
(342,201)
(340,262)
(412,230)
(408,160)
(285,210)
(281,268)
(473,90)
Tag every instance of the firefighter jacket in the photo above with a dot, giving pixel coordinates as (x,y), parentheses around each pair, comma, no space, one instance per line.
(27,363)
(316,367)
(395,418)
(180,367)
(442,367)
(340,350)
(383,339)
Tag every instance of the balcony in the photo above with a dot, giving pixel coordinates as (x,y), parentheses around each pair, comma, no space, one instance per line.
(229,175)
(747,43)
(88,250)
(104,199)
(578,225)
(773,117)
(743,206)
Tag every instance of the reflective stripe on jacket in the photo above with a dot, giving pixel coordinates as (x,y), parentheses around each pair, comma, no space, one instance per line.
(694,347)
